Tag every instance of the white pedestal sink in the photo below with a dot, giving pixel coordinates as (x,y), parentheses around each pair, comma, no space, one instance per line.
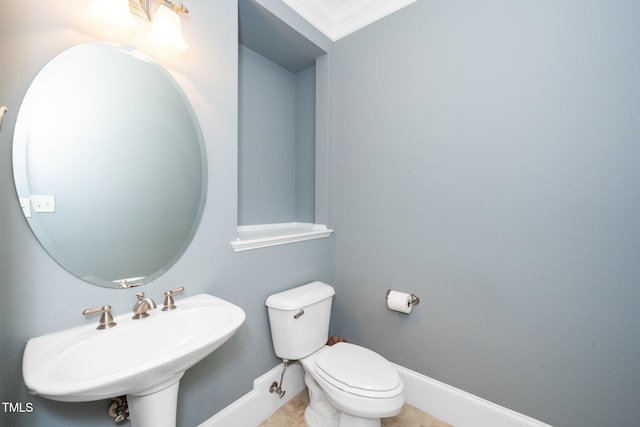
(143,359)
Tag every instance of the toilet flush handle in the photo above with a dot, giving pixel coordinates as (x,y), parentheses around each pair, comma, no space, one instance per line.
(298,314)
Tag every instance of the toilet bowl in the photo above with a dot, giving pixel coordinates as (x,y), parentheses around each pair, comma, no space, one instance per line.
(349,385)
(361,385)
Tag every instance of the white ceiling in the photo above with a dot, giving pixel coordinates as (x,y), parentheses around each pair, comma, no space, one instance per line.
(338,18)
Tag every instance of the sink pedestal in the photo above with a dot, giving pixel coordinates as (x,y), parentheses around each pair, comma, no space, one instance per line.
(154,410)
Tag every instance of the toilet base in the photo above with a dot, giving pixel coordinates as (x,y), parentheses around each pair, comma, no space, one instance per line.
(321,413)
(347,420)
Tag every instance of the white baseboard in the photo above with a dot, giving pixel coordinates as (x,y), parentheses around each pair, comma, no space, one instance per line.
(257,405)
(456,407)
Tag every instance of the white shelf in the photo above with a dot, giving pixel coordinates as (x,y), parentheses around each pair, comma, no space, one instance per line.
(265,235)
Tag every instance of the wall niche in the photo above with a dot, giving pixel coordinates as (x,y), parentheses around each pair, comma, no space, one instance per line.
(282,127)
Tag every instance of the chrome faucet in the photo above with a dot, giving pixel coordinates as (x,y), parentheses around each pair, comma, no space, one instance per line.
(142,306)
(169,303)
(106,319)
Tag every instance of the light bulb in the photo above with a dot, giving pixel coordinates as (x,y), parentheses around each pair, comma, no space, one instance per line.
(166,32)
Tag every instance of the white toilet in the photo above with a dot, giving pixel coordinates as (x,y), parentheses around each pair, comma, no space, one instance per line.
(349,385)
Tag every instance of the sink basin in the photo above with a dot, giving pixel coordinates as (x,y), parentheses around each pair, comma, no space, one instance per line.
(135,357)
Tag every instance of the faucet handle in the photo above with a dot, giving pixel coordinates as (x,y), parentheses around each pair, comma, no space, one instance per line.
(106,319)
(169,304)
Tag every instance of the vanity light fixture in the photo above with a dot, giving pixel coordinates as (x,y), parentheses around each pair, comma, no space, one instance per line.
(113,14)
(166,29)
(140,8)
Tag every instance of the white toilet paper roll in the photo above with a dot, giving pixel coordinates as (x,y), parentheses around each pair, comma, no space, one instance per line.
(399,301)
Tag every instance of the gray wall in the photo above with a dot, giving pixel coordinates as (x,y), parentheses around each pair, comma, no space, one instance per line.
(305,144)
(39,297)
(487,160)
(266,141)
(276,141)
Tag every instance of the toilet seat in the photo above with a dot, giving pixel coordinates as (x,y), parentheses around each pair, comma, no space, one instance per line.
(359,371)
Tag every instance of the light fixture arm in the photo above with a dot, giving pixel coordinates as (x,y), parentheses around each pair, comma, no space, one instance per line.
(142,8)
(165,35)
(177,7)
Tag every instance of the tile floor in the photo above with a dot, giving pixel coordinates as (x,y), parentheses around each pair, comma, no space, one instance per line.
(292,415)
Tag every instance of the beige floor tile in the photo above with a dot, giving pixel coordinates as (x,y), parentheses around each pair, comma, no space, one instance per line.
(410,416)
(439,423)
(292,415)
(280,419)
(296,406)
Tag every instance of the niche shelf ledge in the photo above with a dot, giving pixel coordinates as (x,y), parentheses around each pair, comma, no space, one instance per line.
(265,235)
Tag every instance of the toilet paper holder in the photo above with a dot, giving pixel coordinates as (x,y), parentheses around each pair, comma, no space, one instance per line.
(413,301)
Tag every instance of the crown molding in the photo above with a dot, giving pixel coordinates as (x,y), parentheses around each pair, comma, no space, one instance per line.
(339,18)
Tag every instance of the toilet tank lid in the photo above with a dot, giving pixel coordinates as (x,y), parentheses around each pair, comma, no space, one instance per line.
(302,296)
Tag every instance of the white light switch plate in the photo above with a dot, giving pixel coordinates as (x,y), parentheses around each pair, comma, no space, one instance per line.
(43,203)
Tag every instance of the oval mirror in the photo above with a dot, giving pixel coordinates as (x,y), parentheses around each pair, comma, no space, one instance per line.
(109,164)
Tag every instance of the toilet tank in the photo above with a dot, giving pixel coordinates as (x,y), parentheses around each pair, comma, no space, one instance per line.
(299,319)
